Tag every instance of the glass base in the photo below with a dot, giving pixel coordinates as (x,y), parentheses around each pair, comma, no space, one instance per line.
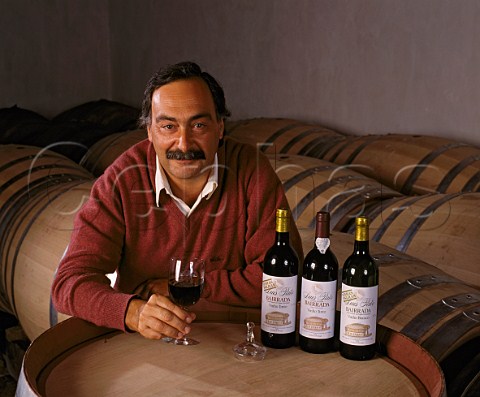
(249,352)
(186,342)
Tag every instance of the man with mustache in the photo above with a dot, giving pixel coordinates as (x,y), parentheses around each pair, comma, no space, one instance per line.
(186,190)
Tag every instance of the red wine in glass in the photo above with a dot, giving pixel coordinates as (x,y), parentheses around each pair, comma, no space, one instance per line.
(185,285)
(185,292)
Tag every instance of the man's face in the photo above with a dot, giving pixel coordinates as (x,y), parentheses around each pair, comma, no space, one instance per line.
(184,129)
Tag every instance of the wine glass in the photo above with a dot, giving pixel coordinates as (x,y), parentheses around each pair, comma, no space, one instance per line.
(185,285)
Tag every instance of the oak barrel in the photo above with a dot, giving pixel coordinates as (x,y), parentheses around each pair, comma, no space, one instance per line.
(69,137)
(104,152)
(17,124)
(72,139)
(462,370)
(112,116)
(41,237)
(26,171)
(280,135)
(312,185)
(114,363)
(441,229)
(40,192)
(413,164)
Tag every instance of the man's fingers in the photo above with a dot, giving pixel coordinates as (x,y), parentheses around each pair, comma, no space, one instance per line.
(164,302)
(155,329)
(160,317)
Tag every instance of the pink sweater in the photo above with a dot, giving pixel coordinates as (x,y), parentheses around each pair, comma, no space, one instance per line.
(121,228)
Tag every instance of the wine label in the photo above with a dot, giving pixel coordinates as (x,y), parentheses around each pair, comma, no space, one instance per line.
(358,318)
(279,295)
(317,309)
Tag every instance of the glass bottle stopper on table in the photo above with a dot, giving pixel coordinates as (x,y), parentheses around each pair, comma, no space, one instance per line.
(249,350)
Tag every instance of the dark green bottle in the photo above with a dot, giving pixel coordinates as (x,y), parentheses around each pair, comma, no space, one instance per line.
(319,292)
(279,288)
(359,297)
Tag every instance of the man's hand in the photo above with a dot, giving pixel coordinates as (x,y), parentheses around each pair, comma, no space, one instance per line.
(158,317)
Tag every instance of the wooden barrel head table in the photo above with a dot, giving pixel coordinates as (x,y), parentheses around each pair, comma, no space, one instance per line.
(76,358)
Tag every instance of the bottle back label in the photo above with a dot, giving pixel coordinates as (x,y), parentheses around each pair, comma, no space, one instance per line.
(317,309)
(279,296)
(358,318)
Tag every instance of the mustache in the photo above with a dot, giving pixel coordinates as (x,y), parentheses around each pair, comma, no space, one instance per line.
(188,155)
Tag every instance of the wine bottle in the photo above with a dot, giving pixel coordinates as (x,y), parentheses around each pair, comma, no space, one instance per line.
(359,297)
(279,288)
(319,292)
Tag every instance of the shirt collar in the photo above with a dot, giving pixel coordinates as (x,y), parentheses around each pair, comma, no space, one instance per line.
(161,183)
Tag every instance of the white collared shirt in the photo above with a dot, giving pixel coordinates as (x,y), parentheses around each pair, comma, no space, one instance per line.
(161,182)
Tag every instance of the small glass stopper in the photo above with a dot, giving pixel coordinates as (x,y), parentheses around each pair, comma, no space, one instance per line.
(249,350)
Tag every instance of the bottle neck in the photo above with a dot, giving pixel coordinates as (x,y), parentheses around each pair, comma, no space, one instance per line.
(322,225)
(361,247)
(361,236)
(322,230)
(282,227)
(282,238)
(322,238)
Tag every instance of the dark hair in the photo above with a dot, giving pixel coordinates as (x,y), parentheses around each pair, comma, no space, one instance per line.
(180,71)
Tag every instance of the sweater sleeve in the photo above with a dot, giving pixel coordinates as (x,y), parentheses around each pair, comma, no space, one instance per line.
(80,287)
(242,287)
